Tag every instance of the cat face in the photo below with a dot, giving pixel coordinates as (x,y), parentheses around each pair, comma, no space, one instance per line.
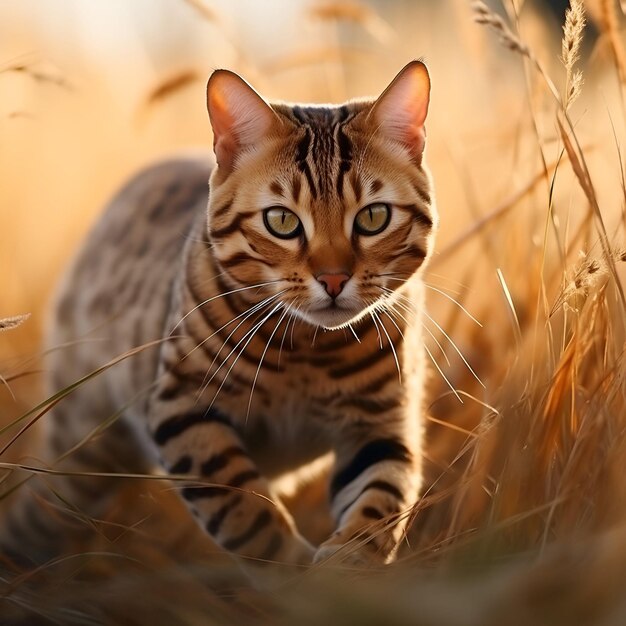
(328,208)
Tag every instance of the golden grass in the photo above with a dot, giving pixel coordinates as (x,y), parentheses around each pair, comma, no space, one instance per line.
(523,520)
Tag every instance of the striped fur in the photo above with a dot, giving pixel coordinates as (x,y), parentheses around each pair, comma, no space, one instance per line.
(259,370)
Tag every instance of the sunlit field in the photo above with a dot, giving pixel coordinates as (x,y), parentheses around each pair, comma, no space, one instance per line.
(523,517)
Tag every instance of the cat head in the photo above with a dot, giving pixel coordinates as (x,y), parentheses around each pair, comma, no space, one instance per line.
(328,206)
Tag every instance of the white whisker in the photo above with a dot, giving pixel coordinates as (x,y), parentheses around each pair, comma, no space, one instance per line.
(388,311)
(380,339)
(393,349)
(432,358)
(314,335)
(206,382)
(400,304)
(439,291)
(216,297)
(257,308)
(409,308)
(290,312)
(251,332)
(456,348)
(258,369)
(247,313)
(354,332)
(295,320)
(445,295)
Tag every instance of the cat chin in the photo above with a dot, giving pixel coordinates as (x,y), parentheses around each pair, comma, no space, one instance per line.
(334,319)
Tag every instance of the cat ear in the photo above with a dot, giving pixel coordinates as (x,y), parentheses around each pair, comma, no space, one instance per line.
(239,116)
(400,111)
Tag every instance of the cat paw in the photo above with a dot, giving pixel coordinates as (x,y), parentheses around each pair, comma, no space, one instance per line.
(299,552)
(340,553)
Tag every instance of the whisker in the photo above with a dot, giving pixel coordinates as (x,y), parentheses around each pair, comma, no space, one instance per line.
(449,297)
(380,340)
(257,308)
(353,332)
(400,300)
(430,332)
(456,348)
(393,349)
(404,279)
(206,383)
(314,335)
(443,352)
(251,332)
(247,313)
(432,358)
(400,296)
(290,311)
(388,312)
(295,320)
(400,304)
(258,369)
(390,276)
(216,297)
(444,333)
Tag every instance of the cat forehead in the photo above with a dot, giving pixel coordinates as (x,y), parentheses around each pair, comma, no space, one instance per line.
(324,145)
(320,116)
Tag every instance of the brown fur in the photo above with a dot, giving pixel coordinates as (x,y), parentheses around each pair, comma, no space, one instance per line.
(257,372)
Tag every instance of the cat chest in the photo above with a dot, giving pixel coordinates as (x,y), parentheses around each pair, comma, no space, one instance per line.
(286,430)
(283,422)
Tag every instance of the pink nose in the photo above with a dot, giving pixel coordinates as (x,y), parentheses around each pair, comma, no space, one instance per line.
(333,283)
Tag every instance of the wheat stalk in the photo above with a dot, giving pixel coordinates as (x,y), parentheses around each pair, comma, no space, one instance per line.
(570,50)
(8,323)
(608,23)
(485,16)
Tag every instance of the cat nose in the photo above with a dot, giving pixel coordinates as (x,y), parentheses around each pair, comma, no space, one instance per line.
(333,283)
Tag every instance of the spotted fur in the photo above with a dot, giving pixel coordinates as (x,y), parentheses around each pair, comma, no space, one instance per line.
(255,369)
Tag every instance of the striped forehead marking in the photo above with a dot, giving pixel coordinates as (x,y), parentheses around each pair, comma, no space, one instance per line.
(325,150)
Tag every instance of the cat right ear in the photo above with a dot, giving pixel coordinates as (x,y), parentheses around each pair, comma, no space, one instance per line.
(239,116)
(400,111)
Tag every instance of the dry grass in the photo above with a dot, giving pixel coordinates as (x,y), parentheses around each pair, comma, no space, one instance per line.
(524,517)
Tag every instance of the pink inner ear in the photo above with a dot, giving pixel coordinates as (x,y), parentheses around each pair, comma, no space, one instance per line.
(414,139)
(225,149)
(224,140)
(402,108)
(239,116)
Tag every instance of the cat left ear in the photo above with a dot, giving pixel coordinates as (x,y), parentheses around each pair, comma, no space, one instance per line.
(400,111)
(240,117)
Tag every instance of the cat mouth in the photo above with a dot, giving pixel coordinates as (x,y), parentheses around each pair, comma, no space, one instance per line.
(334,307)
(334,315)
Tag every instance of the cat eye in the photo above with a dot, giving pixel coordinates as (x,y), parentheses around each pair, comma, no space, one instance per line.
(373,219)
(282,222)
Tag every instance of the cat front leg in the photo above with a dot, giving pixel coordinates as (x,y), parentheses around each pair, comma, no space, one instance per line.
(375,483)
(225,492)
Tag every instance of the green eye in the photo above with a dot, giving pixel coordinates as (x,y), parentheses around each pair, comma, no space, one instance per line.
(282,222)
(373,219)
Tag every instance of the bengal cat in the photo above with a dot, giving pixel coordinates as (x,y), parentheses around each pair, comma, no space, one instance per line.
(278,319)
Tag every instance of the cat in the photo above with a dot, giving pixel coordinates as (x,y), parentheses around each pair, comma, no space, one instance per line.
(274,326)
